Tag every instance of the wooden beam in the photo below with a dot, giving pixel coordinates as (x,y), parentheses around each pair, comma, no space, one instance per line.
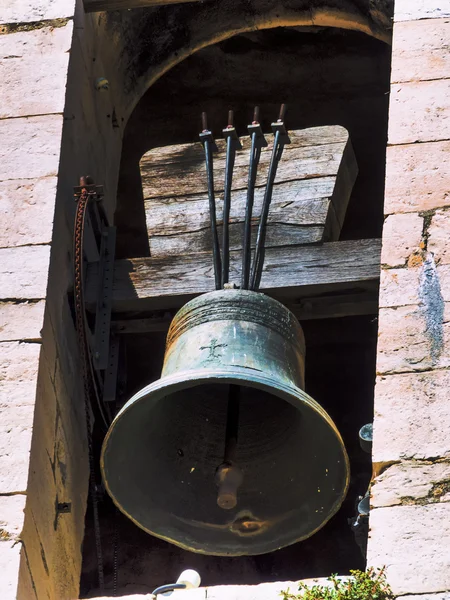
(317,307)
(108,5)
(291,274)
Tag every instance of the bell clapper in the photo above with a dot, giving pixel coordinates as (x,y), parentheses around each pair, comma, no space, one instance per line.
(228,475)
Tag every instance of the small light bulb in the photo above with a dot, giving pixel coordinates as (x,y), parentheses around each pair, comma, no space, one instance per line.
(190,578)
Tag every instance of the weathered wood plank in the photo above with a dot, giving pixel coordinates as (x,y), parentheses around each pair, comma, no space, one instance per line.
(290,273)
(309,201)
(298,215)
(98,5)
(180,170)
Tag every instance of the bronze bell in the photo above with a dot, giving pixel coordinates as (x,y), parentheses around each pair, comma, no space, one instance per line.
(226,454)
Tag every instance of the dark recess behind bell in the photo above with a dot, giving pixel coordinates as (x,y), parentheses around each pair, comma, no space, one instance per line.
(326,76)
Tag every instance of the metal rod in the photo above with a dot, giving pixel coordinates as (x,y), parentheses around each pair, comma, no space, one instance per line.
(281,138)
(258,141)
(208,145)
(171,587)
(229,476)
(255,153)
(229,166)
(258,260)
(231,434)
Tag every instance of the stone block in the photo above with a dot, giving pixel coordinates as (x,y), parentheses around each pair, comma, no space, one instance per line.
(411,286)
(402,235)
(53,540)
(419,112)
(29,11)
(412,482)
(19,362)
(30,147)
(406,342)
(439,236)
(420,50)
(26,589)
(22,321)
(33,555)
(16,426)
(412,412)
(9,569)
(417,177)
(58,474)
(33,71)
(408,10)
(17,393)
(26,211)
(399,287)
(414,543)
(11,516)
(24,272)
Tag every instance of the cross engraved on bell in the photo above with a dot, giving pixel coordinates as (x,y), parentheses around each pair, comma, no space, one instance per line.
(212,349)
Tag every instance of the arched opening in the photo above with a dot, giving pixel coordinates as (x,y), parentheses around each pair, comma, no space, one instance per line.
(326,75)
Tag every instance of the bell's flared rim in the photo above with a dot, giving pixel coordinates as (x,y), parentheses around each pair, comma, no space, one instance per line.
(181,380)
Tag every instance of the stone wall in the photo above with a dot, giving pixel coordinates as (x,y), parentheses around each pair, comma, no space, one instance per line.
(54,127)
(410,516)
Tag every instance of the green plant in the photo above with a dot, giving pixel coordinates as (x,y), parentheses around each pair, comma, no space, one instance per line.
(368,585)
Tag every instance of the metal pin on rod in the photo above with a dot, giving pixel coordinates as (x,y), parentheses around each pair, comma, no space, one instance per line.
(281,138)
(209,147)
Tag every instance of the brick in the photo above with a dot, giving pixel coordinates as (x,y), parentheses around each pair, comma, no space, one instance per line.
(9,568)
(412,412)
(21,322)
(420,50)
(417,177)
(413,480)
(24,272)
(404,342)
(11,515)
(439,235)
(18,372)
(414,543)
(419,112)
(30,147)
(26,211)
(33,71)
(402,235)
(408,10)
(28,11)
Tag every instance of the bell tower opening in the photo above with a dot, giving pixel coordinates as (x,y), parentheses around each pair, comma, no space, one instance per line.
(327,77)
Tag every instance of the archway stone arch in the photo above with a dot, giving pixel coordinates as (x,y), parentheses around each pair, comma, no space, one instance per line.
(152,41)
